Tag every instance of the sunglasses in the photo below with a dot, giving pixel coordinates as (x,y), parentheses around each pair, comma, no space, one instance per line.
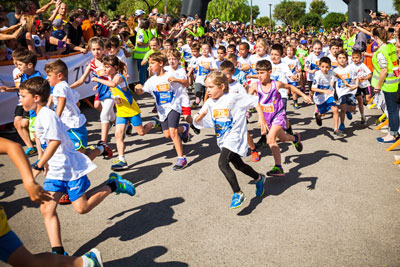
(397,22)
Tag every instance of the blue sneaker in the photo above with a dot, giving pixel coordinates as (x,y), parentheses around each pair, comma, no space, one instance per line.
(31,151)
(123,186)
(237,200)
(349,115)
(94,257)
(65,253)
(180,164)
(157,123)
(260,186)
(119,165)
(341,127)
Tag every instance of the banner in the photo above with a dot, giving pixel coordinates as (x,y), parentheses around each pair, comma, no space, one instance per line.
(76,63)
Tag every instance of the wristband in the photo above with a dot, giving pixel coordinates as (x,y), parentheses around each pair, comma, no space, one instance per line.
(36,167)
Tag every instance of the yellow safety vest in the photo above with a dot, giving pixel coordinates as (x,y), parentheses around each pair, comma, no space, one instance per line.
(140,51)
(391,82)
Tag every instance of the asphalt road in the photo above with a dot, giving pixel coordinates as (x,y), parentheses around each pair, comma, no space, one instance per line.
(338,204)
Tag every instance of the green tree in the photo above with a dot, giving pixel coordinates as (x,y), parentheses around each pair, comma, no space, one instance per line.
(396,5)
(318,7)
(290,12)
(264,22)
(311,19)
(128,7)
(333,19)
(231,10)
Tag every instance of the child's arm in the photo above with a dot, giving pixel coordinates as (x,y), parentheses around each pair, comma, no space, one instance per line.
(253,89)
(294,90)
(139,89)
(47,154)
(82,79)
(354,87)
(322,91)
(17,155)
(183,82)
(4,89)
(200,116)
(245,67)
(261,120)
(61,101)
(126,52)
(113,83)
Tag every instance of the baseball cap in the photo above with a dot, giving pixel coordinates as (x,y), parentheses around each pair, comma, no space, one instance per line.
(303,41)
(160,21)
(57,22)
(139,12)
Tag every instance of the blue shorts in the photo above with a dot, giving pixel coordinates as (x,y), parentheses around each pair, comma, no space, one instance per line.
(135,120)
(293,83)
(348,99)
(75,189)
(8,244)
(326,106)
(79,137)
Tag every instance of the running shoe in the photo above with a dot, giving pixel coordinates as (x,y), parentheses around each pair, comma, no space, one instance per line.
(123,186)
(157,123)
(237,200)
(296,106)
(260,186)
(129,129)
(64,200)
(255,156)
(276,171)
(180,164)
(318,118)
(94,257)
(119,165)
(185,134)
(31,151)
(363,120)
(341,127)
(65,253)
(298,145)
(262,142)
(349,115)
(338,132)
(195,130)
(248,114)
(107,153)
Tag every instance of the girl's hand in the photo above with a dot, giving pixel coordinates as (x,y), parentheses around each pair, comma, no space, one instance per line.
(95,87)
(36,193)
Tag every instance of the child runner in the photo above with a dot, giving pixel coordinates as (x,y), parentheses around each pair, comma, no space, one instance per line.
(364,86)
(323,93)
(192,66)
(244,58)
(312,63)
(273,119)
(65,168)
(302,54)
(346,87)
(294,65)
(261,54)
(226,113)
(103,100)
(127,109)
(221,53)
(168,102)
(333,50)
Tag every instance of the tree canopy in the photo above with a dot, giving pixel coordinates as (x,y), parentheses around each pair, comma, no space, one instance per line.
(318,7)
(333,19)
(396,5)
(264,22)
(290,12)
(231,10)
(311,20)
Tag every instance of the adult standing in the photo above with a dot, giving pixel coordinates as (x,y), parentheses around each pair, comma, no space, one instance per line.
(141,48)
(384,79)
(74,31)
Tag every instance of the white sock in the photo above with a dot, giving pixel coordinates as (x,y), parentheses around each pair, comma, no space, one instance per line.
(101,148)
(153,123)
(86,261)
(122,158)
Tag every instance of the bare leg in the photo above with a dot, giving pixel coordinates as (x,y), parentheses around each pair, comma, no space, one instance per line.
(177,140)
(104,131)
(91,199)
(142,130)
(335,112)
(51,221)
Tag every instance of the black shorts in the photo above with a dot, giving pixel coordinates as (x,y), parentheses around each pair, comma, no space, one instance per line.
(20,112)
(172,120)
(362,91)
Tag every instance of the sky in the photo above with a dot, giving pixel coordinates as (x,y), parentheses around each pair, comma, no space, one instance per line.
(333,5)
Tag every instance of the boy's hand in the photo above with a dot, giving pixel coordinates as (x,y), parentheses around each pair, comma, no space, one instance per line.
(263,125)
(36,193)
(172,79)
(328,92)
(307,99)
(35,173)
(201,115)
(19,75)
(3,89)
(94,87)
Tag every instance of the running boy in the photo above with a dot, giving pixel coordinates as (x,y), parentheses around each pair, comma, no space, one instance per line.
(225,112)
(65,168)
(168,102)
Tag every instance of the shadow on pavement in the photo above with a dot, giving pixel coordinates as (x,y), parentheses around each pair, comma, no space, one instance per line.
(144,219)
(277,185)
(146,173)
(145,257)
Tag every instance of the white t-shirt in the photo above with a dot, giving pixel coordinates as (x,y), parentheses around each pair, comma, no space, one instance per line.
(237,88)
(227,115)
(325,49)
(312,62)
(193,64)
(187,52)
(253,61)
(348,73)
(333,59)
(203,62)
(180,73)
(71,115)
(66,164)
(281,72)
(362,70)
(322,81)
(167,94)
(293,64)
(121,56)
(38,41)
(17,82)
(218,63)
(245,62)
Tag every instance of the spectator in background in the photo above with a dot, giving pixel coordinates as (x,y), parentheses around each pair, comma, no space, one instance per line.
(87,25)
(74,31)
(62,13)
(103,22)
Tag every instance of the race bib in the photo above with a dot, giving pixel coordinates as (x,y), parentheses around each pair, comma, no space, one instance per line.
(163,98)
(268,108)
(162,87)
(220,113)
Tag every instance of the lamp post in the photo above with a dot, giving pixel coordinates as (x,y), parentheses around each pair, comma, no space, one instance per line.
(251,14)
(165,7)
(270,22)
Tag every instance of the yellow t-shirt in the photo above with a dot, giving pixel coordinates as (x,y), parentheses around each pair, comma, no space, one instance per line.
(4,227)
(125,103)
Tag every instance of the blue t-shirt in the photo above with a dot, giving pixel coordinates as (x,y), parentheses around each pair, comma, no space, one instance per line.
(59,34)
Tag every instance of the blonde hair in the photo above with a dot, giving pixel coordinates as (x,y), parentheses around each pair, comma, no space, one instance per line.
(262,42)
(96,40)
(218,78)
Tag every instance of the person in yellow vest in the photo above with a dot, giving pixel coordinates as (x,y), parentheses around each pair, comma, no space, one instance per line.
(62,13)
(384,79)
(128,110)
(141,48)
